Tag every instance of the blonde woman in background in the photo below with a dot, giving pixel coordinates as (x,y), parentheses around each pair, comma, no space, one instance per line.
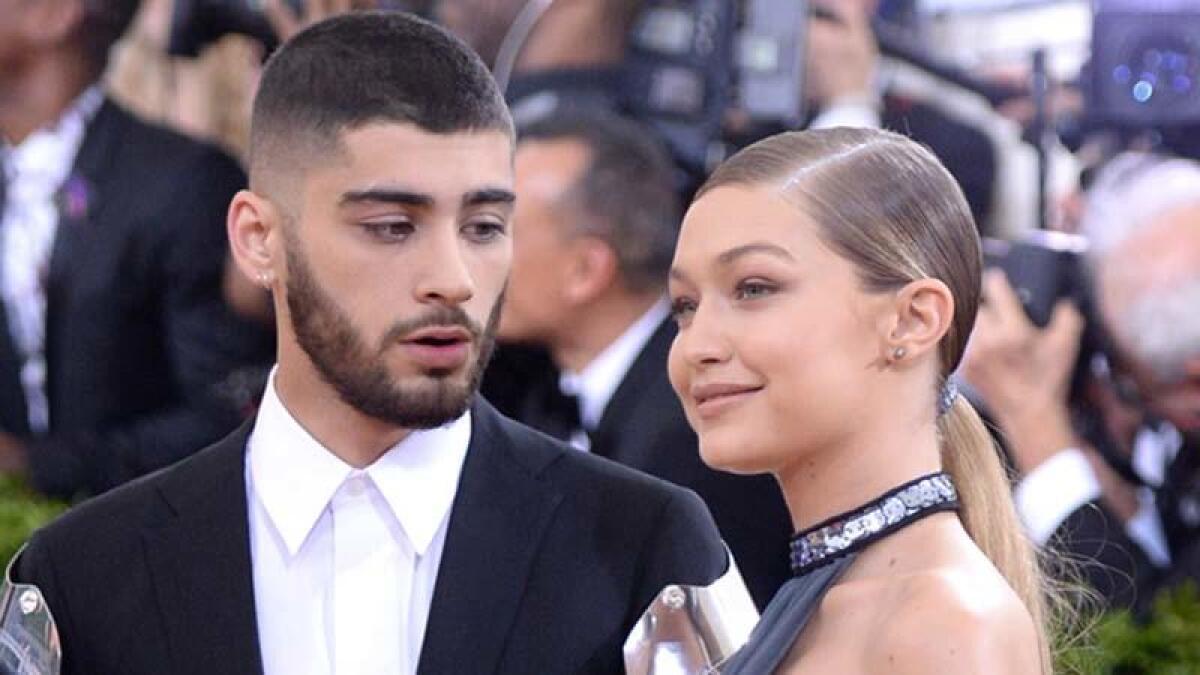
(825,285)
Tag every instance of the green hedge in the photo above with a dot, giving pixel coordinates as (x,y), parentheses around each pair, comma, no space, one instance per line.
(1167,644)
(21,512)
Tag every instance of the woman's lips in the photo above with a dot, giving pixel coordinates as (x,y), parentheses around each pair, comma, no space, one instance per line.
(714,399)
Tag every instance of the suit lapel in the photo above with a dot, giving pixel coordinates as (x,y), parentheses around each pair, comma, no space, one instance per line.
(82,197)
(499,517)
(200,565)
(627,401)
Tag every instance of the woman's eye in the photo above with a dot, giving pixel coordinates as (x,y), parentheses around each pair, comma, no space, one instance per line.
(752,289)
(392,230)
(682,308)
(484,230)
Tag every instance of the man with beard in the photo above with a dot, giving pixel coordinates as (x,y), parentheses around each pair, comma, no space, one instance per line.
(377,517)
(1142,221)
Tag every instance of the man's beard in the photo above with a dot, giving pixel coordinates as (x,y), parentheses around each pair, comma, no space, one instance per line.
(360,375)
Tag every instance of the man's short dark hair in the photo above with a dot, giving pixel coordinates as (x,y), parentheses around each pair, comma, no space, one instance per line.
(365,67)
(626,192)
(103,23)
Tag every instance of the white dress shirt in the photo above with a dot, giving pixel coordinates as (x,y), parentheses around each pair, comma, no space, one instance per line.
(345,560)
(599,379)
(34,171)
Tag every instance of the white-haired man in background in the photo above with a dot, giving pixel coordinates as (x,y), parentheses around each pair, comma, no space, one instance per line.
(1142,223)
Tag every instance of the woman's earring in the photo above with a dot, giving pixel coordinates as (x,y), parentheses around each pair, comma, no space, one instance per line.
(899,353)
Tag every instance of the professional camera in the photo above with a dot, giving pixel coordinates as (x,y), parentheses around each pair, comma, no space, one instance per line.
(1142,85)
(1044,267)
(690,62)
(197,23)
(1145,69)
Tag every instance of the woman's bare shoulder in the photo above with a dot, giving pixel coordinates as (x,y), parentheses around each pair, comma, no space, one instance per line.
(951,621)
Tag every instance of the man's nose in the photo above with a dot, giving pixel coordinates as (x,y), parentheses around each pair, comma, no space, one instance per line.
(447,275)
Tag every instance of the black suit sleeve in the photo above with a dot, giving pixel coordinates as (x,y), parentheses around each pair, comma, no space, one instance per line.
(203,341)
(684,547)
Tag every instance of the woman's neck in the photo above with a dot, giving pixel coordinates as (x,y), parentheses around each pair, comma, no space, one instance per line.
(845,475)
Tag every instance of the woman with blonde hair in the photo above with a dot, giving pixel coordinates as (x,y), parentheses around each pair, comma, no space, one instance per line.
(825,285)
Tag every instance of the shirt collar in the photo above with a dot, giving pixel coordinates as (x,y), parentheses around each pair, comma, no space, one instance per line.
(598,381)
(50,151)
(295,477)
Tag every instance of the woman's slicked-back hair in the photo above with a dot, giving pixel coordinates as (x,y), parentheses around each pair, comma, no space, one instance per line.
(883,202)
(889,207)
(365,67)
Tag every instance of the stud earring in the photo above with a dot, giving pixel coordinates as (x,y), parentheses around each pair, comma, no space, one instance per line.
(899,353)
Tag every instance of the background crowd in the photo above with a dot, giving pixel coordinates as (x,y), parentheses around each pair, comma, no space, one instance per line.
(128,340)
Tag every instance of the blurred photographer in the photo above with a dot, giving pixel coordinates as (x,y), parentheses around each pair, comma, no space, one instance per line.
(1142,221)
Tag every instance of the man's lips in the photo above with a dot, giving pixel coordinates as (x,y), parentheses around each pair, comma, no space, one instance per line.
(438,335)
(714,398)
(439,348)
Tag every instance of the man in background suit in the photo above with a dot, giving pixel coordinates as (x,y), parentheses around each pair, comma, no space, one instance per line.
(1142,221)
(377,517)
(596,228)
(113,332)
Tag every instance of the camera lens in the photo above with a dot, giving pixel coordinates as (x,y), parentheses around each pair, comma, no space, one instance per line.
(1159,70)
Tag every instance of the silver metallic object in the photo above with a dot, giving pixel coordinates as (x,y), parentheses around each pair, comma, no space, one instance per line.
(692,630)
(28,638)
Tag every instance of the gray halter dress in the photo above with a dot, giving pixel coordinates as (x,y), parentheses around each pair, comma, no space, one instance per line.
(821,555)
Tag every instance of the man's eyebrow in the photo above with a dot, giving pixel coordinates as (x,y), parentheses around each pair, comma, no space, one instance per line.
(488,196)
(736,252)
(386,195)
(418,199)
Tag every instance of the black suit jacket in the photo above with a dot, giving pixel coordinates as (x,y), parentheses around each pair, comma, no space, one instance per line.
(1115,565)
(137,332)
(551,555)
(1099,553)
(644,427)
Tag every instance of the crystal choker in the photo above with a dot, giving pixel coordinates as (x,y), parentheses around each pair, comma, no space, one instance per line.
(851,531)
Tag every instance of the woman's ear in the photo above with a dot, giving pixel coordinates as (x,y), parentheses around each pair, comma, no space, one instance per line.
(922,312)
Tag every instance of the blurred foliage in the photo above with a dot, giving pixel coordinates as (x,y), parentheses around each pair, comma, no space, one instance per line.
(21,512)
(1166,643)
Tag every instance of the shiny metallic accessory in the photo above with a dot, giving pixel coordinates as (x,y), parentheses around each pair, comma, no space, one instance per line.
(851,531)
(899,353)
(946,397)
(28,638)
(692,630)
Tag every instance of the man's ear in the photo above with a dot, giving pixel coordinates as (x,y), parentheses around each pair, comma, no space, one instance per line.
(920,315)
(592,269)
(253,226)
